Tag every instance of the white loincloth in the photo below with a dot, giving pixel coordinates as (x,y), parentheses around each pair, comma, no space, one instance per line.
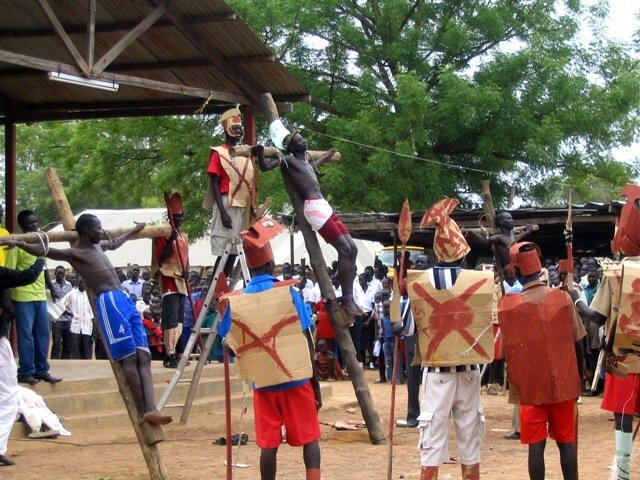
(317,211)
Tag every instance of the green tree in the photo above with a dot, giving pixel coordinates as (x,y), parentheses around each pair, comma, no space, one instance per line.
(448,93)
(422,98)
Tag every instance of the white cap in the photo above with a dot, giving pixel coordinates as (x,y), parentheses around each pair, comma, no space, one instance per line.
(278,132)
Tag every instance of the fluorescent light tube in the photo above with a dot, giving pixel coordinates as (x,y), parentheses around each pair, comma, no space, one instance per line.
(84,82)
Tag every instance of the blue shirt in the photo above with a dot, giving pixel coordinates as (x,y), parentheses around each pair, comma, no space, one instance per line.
(261,283)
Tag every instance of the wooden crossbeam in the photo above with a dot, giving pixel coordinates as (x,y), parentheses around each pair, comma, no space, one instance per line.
(148,435)
(52,66)
(113,27)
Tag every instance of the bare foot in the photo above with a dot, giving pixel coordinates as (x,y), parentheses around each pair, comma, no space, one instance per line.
(155,418)
(350,307)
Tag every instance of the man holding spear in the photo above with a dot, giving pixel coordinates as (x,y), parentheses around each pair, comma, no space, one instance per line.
(171,258)
(613,306)
(542,324)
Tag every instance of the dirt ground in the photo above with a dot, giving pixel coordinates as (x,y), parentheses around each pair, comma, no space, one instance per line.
(189,452)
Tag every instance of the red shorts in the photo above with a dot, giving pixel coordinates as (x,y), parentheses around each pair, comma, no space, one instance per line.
(621,394)
(555,418)
(294,408)
(333,228)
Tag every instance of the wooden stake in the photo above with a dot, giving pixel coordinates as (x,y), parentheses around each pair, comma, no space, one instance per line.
(336,316)
(148,435)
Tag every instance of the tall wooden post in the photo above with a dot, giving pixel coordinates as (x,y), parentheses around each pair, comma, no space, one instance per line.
(348,351)
(148,435)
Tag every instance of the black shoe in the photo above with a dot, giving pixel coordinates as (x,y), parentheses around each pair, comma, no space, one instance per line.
(30,379)
(380,381)
(4,461)
(513,436)
(46,377)
(412,423)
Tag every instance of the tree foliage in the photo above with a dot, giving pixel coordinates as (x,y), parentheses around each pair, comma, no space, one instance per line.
(423,98)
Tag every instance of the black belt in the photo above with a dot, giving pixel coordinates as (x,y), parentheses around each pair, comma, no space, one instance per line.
(457,368)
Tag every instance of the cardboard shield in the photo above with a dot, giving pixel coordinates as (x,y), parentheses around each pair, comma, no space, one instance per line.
(629,308)
(539,348)
(267,338)
(454,326)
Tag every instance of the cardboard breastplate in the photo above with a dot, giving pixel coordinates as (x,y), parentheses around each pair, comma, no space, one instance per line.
(454,325)
(539,348)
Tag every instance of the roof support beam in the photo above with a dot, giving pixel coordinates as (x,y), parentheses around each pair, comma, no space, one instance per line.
(114,27)
(59,29)
(50,66)
(129,38)
(210,51)
(91,34)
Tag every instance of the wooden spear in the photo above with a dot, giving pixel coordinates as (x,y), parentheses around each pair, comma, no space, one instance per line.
(404,233)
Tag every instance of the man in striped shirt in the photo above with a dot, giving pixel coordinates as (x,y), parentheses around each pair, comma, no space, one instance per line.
(455,388)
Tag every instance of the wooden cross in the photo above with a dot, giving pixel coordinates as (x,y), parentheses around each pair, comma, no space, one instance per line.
(148,435)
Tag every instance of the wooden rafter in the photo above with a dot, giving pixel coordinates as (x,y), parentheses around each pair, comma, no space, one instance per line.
(91,34)
(51,66)
(62,34)
(113,27)
(129,38)
(211,51)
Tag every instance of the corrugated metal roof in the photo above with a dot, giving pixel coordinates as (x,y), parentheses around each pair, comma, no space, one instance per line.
(196,43)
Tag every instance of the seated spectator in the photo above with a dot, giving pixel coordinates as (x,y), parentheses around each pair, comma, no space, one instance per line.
(326,366)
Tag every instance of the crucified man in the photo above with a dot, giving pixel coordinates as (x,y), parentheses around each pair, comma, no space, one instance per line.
(300,169)
(120,322)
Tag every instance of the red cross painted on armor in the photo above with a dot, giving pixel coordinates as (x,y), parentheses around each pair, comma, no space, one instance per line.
(268,340)
(444,322)
(629,323)
(241,177)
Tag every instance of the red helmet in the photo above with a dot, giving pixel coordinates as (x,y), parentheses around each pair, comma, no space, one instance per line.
(525,256)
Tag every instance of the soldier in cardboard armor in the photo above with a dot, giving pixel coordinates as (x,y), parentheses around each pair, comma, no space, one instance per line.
(230,191)
(452,309)
(170,256)
(622,380)
(268,327)
(542,323)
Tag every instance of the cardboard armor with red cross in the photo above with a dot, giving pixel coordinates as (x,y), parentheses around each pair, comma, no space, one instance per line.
(267,338)
(627,237)
(454,325)
(628,328)
(539,347)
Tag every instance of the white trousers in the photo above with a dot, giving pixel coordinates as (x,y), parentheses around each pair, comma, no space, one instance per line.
(8,392)
(442,394)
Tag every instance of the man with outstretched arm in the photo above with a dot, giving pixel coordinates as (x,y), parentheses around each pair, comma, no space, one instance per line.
(120,323)
(298,167)
(542,345)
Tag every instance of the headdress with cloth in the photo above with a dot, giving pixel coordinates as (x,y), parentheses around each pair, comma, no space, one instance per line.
(230,118)
(256,241)
(449,243)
